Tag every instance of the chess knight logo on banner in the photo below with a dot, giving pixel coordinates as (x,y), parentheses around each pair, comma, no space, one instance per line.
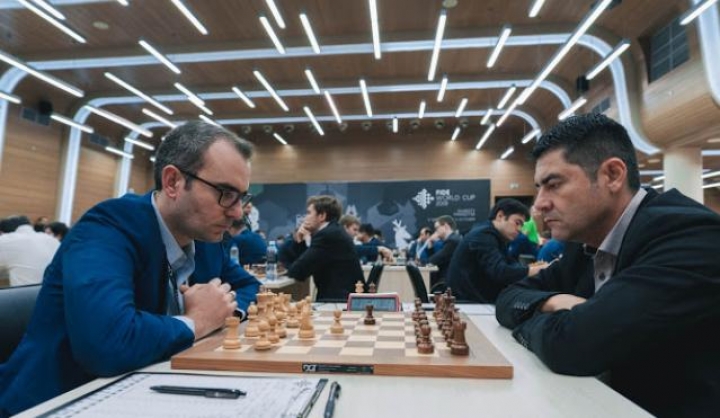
(423,198)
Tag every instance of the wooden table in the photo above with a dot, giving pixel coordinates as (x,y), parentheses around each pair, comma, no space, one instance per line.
(534,391)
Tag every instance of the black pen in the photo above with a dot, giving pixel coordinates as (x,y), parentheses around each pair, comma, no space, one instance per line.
(330,405)
(196,391)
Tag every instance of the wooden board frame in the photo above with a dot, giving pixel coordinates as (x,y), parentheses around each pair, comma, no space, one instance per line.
(484,361)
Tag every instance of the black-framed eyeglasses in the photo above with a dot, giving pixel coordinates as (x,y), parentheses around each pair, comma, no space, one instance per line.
(228,197)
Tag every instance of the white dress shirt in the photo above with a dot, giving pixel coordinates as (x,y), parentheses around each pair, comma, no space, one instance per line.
(24,255)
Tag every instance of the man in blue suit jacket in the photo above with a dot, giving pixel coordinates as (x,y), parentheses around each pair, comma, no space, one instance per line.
(139,278)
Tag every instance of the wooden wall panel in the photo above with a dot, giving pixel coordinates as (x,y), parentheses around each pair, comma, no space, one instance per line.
(141,179)
(30,168)
(388,158)
(95,179)
(712,199)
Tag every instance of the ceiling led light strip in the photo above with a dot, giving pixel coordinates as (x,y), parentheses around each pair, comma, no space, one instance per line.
(487,116)
(138,93)
(243,97)
(461,107)
(271,33)
(119,120)
(140,144)
(160,57)
(311,79)
(506,97)
(577,104)
(366,97)
(421,111)
(504,35)
(70,122)
(120,153)
(190,16)
(375,28)
(194,98)
(456,133)
(619,49)
(276,13)
(10,97)
(270,90)
(280,138)
(696,11)
(159,118)
(438,43)
(530,135)
(309,32)
(58,24)
(535,8)
(17,63)
(314,121)
(331,103)
(560,54)
(395,124)
(507,153)
(48,8)
(485,137)
(443,87)
(208,120)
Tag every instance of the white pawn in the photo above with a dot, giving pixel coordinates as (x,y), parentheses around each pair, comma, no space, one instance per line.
(252,331)
(292,321)
(337,327)
(232,334)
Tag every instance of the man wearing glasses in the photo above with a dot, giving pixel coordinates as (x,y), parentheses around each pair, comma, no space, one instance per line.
(139,278)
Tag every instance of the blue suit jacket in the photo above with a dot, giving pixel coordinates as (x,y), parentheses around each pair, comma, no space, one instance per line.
(251,247)
(102,307)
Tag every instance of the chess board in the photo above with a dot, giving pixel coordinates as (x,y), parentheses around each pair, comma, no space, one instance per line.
(387,348)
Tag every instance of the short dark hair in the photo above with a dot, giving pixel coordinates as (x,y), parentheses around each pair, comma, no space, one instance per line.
(509,206)
(587,141)
(185,147)
(367,229)
(328,205)
(58,229)
(446,220)
(11,223)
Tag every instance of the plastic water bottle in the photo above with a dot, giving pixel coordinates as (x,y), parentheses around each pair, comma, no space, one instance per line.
(271,262)
(235,253)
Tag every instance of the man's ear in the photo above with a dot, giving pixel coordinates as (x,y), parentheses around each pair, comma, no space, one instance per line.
(614,172)
(322,216)
(499,216)
(172,181)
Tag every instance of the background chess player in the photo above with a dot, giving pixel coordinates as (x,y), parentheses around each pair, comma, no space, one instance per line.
(108,298)
(636,295)
(330,257)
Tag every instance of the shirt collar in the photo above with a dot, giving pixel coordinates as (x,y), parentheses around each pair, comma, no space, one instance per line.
(612,242)
(176,255)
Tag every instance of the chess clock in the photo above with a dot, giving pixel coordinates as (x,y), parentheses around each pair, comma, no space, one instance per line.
(387,302)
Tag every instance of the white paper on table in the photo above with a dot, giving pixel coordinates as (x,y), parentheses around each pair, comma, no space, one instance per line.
(131,396)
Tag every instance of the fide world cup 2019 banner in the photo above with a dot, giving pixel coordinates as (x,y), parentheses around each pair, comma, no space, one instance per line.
(398,208)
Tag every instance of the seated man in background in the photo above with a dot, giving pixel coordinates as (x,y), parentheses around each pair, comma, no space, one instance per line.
(24,253)
(139,278)
(57,229)
(417,246)
(636,295)
(367,252)
(331,257)
(444,231)
(252,248)
(481,266)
